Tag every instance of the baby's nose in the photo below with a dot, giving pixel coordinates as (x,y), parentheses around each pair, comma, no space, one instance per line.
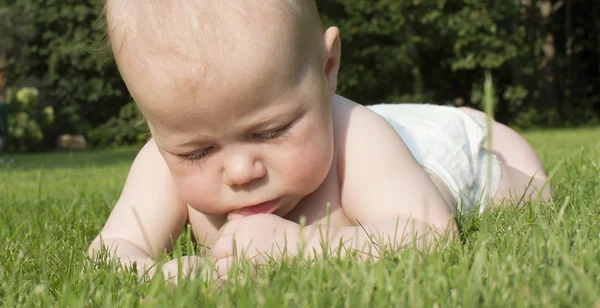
(242,168)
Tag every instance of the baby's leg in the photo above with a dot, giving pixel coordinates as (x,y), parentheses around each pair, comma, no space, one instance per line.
(518,162)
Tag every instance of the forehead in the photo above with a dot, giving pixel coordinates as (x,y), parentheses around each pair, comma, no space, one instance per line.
(178,95)
(165,84)
(176,64)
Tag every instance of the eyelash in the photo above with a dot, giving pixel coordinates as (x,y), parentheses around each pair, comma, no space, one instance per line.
(274,134)
(196,156)
(270,135)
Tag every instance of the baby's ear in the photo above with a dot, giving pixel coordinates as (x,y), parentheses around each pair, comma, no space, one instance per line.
(332,49)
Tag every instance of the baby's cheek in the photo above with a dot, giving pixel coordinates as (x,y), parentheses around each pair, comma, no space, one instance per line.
(311,164)
(197,193)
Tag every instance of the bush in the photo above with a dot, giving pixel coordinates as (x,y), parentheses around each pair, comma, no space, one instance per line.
(27,120)
(126,129)
(59,47)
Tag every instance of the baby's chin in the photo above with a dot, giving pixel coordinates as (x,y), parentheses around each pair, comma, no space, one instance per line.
(288,207)
(282,212)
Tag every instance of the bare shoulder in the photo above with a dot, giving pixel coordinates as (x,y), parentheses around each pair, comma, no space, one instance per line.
(379,177)
(357,126)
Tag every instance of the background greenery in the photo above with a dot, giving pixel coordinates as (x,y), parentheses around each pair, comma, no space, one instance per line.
(544,56)
(544,255)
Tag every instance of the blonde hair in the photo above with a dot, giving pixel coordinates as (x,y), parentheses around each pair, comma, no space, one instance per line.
(202,25)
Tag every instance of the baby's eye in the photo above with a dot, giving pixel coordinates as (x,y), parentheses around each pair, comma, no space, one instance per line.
(195,156)
(276,133)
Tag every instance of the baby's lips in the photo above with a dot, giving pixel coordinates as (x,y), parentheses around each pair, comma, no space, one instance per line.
(262,208)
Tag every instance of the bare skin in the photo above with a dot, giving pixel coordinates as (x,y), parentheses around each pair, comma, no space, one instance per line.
(248,158)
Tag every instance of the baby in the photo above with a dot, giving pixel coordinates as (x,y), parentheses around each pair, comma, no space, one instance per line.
(252,147)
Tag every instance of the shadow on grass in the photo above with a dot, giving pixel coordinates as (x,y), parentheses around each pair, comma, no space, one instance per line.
(68,160)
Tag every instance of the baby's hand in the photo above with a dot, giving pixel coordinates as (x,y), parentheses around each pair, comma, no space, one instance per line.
(257,238)
(191,267)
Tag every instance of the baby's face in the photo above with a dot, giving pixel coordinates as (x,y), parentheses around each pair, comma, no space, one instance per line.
(257,132)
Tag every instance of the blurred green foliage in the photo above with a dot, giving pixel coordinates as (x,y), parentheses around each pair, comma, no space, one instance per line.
(27,119)
(127,128)
(544,56)
(59,48)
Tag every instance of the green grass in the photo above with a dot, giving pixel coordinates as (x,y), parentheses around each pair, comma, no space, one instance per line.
(52,206)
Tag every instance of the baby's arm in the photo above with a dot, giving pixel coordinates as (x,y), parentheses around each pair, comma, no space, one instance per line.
(148,217)
(384,190)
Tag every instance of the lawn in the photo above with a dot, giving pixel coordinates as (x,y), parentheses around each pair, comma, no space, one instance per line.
(52,206)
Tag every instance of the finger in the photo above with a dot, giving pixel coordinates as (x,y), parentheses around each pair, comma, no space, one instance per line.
(223,248)
(234,216)
(194,267)
(223,266)
(230,228)
(221,281)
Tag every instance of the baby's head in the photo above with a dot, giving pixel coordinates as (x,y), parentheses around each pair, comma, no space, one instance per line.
(236,94)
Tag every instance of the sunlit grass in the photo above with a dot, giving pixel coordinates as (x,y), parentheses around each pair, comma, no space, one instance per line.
(52,206)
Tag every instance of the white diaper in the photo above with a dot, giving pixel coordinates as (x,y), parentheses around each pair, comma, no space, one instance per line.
(450,143)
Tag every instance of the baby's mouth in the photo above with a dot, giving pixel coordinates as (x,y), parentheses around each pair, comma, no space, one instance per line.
(267,207)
